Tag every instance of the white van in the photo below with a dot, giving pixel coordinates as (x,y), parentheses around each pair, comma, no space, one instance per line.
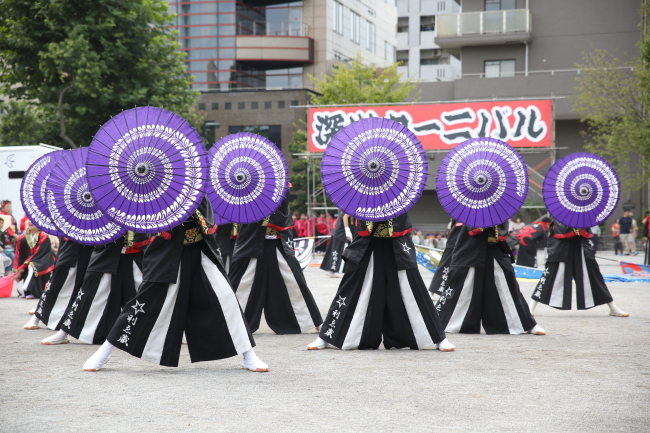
(14,161)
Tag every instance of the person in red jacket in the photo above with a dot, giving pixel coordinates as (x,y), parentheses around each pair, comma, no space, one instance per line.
(34,261)
(6,209)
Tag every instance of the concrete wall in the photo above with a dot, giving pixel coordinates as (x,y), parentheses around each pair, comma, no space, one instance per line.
(289,118)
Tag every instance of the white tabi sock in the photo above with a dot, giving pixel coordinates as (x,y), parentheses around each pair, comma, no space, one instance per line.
(615,311)
(537,330)
(33,323)
(253,363)
(318,344)
(99,358)
(445,346)
(61,337)
(532,305)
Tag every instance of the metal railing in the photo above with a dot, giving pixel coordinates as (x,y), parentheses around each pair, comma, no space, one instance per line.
(484,23)
(265,28)
(536,73)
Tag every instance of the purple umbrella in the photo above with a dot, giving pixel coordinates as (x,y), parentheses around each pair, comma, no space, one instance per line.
(33,192)
(374,169)
(482,182)
(581,190)
(71,204)
(147,168)
(248,178)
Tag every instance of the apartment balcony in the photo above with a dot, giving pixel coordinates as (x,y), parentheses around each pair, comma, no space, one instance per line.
(483,28)
(271,45)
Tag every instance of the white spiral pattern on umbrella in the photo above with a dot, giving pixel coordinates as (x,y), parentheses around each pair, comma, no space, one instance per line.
(495,175)
(238,177)
(581,188)
(28,191)
(76,191)
(372,166)
(186,198)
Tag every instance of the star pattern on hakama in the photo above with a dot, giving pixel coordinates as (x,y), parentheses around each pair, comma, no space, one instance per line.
(405,247)
(341,301)
(138,308)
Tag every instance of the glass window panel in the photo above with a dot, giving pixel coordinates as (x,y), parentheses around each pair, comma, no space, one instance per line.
(201,106)
(228,105)
(295,81)
(492,69)
(508,4)
(215,105)
(254,105)
(267,104)
(427,23)
(402,24)
(294,103)
(280,104)
(241,105)
(507,68)
(277,81)
(227,6)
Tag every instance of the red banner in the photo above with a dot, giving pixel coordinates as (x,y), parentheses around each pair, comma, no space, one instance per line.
(442,126)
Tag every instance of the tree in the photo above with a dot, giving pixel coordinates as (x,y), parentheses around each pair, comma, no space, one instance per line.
(349,83)
(88,60)
(357,83)
(20,124)
(612,96)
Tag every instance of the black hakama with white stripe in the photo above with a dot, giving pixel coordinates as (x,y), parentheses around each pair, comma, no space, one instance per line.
(441,277)
(35,259)
(486,294)
(376,301)
(274,284)
(333,258)
(101,299)
(185,289)
(267,276)
(67,278)
(555,287)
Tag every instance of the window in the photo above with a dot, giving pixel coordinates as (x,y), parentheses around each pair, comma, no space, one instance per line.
(355,27)
(228,105)
(500,5)
(16,174)
(268,104)
(403,25)
(272,132)
(294,103)
(389,52)
(427,24)
(241,105)
(430,57)
(499,68)
(338,18)
(254,105)
(370,37)
(215,105)
(280,104)
(201,106)
(403,56)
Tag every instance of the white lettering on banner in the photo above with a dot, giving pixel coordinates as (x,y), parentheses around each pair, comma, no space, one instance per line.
(527,125)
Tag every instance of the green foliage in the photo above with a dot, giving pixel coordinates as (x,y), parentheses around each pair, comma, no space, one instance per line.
(23,125)
(298,172)
(357,83)
(611,96)
(349,83)
(89,60)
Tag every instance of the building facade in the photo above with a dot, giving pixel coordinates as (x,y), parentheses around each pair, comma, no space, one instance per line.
(251,59)
(528,49)
(417,27)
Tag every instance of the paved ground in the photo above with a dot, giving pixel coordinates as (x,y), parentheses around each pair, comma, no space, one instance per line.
(589,374)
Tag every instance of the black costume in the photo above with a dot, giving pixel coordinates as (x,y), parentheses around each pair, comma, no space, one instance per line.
(267,276)
(35,258)
(112,279)
(571,256)
(185,288)
(529,237)
(226,238)
(441,276)
(67,277)
(382,295)
(482,288)
(333,259)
